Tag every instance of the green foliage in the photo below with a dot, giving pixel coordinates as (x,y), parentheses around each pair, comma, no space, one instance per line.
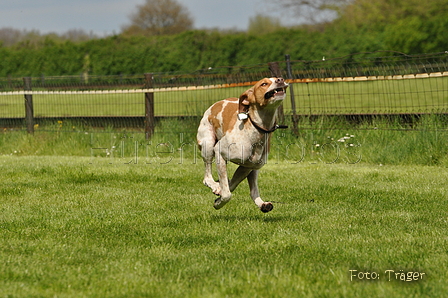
(382,13)
(364,26)
(416,35)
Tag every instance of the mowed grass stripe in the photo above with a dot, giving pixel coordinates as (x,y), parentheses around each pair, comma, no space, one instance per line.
(71,227)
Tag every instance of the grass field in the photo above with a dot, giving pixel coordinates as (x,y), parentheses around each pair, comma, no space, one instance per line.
(83,227)
(382,140)
(169,103)
(369,97)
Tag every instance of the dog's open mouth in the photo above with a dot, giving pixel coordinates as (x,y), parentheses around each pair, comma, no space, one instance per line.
(276,92)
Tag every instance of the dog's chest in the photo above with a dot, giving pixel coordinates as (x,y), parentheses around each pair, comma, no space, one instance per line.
(244,147)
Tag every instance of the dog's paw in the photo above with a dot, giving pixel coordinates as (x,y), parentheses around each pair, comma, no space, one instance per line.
(266,207)
(213,185)
(218,204)
(216,190)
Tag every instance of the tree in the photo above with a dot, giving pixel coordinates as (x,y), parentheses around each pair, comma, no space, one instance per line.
(78,35)
(263,24)
(159,17)
(10,36)
(382,13)
(312,11)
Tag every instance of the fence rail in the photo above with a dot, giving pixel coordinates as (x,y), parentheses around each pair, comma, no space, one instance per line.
(366,83)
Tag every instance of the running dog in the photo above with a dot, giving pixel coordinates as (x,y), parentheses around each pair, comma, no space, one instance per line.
(239,130)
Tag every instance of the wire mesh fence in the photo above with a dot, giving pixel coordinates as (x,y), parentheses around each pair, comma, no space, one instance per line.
(363,84)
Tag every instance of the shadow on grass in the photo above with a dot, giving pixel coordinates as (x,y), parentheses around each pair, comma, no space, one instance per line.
(267,218)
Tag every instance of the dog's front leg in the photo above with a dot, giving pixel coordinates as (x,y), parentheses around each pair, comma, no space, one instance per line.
(207,152)
(208,179)
(252,178)
(221,166)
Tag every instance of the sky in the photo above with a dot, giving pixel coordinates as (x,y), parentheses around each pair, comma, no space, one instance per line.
(106,17)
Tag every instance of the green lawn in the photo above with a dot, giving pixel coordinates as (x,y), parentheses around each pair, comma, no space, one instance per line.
(86,227)
(372,97)
(166,103)
(369,97)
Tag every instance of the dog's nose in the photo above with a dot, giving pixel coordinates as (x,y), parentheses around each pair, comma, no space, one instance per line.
(279,81)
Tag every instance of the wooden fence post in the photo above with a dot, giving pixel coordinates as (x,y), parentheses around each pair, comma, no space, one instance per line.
(149,107)
(276,72)
(29,109)
(291,93)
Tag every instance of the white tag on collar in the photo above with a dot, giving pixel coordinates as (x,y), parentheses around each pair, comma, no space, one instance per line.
(242,116)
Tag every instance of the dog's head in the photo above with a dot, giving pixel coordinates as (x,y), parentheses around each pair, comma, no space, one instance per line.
(266,92)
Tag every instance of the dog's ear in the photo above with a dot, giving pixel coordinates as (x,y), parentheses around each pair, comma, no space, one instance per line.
(245,100)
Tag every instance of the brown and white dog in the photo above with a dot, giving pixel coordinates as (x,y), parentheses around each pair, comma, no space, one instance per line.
(238,130)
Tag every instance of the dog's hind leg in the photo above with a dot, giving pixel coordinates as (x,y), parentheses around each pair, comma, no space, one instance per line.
(239,175)
(252,178)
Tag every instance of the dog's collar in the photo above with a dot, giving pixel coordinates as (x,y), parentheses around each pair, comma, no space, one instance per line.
(264,130)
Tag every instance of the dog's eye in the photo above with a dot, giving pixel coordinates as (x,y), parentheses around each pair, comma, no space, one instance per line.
(264,84)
